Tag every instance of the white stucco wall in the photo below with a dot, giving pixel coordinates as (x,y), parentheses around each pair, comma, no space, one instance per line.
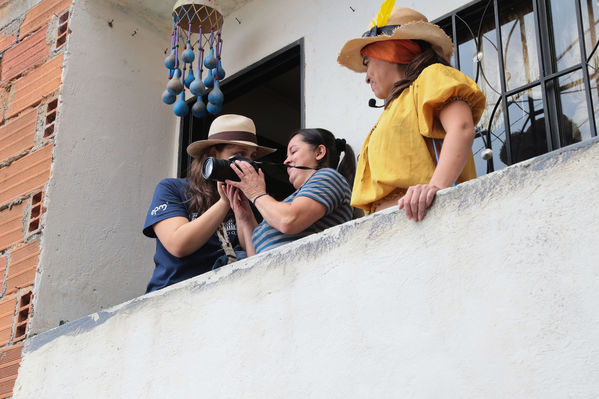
(115,140)
(493,295)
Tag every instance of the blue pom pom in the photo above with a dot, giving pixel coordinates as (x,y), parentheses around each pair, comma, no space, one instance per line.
(174,86)
(216,96)
(209,81)
(189,78)
(181,109)
(169,61)
(199,109)
(211,62)
(220,72)
(188,56)
(197,87)
(168,98)
(213,108)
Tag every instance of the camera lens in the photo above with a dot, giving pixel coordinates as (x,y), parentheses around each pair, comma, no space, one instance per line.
(218,169)
(207,168)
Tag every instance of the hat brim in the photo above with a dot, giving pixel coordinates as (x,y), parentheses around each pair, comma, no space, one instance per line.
(194,149)
(350,56)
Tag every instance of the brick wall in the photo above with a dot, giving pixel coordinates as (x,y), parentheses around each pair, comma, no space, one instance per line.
(31,62)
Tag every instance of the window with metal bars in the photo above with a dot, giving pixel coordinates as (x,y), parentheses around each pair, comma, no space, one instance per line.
(537,63)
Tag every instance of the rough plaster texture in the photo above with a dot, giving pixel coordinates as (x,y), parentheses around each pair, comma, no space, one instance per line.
(13,10)
(114,141)
(493,295)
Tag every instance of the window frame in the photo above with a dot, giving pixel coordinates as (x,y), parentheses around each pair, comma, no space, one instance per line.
(550,91)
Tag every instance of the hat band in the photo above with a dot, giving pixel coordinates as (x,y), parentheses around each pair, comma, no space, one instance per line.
(234,135)
(383,30)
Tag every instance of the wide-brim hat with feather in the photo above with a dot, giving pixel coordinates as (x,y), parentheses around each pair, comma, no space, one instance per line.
(230,129)
(399,23)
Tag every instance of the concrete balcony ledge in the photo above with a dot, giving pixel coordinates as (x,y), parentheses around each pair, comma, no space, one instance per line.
(493,295)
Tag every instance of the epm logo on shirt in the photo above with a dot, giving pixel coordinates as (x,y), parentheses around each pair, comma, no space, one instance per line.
(161,207)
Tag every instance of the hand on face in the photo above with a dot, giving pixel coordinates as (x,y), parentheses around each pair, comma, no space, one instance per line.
(220,186)
(252,184)
(417,199)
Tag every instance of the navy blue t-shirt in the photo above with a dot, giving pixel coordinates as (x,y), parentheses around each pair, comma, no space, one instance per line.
(170,201)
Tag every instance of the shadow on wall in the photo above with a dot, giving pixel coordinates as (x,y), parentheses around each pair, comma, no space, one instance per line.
(532,142)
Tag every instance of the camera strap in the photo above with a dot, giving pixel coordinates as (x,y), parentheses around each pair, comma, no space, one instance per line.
(225,243)
(282,165)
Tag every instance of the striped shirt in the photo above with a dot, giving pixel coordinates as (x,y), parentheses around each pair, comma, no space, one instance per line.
(325,186)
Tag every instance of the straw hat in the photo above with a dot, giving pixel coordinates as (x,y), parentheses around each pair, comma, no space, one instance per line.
(230,129)
(403,23)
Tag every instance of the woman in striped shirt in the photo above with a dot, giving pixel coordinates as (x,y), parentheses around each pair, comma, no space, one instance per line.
(321,199)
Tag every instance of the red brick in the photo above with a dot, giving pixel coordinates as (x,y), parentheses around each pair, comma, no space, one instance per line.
(41,14)
(22,317)
(24,55)
(34,86)
(3,262)
(7,315)
(23,264)
(25,175)
(6,40)
(51,112)
(37,209)
(18,135)
(11,226)
(10,358)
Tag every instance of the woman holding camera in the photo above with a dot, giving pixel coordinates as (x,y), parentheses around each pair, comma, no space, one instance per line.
(321,199)
(190,218)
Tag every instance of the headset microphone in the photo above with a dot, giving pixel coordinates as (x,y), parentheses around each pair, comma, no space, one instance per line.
(372,104)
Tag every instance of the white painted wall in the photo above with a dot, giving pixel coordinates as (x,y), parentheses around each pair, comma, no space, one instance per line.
(115,140)
(493,295)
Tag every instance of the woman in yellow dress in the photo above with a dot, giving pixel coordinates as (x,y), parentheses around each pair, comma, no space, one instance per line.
(422,141)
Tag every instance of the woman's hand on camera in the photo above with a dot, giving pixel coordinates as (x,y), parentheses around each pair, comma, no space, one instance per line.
(220,186)
(417,199)
(252,183)
(239,202)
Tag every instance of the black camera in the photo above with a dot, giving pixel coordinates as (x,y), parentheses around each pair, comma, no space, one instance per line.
(220,169)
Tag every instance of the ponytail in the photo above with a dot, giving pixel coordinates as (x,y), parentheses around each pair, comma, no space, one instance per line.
(347,166)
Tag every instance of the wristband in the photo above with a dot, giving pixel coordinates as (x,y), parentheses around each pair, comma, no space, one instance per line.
(256,197)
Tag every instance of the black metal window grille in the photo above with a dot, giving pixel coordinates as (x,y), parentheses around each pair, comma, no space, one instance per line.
(537,63)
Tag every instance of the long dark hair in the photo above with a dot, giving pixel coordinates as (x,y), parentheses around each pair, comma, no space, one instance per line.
(201,193)
(316,137)
(426,58)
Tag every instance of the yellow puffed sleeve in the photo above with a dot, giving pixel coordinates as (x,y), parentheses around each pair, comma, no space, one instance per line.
(437,86)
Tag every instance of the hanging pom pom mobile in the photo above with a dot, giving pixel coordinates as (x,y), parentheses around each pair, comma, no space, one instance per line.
(197,24)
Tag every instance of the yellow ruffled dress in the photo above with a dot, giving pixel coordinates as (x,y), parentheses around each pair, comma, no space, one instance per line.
(399,152)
